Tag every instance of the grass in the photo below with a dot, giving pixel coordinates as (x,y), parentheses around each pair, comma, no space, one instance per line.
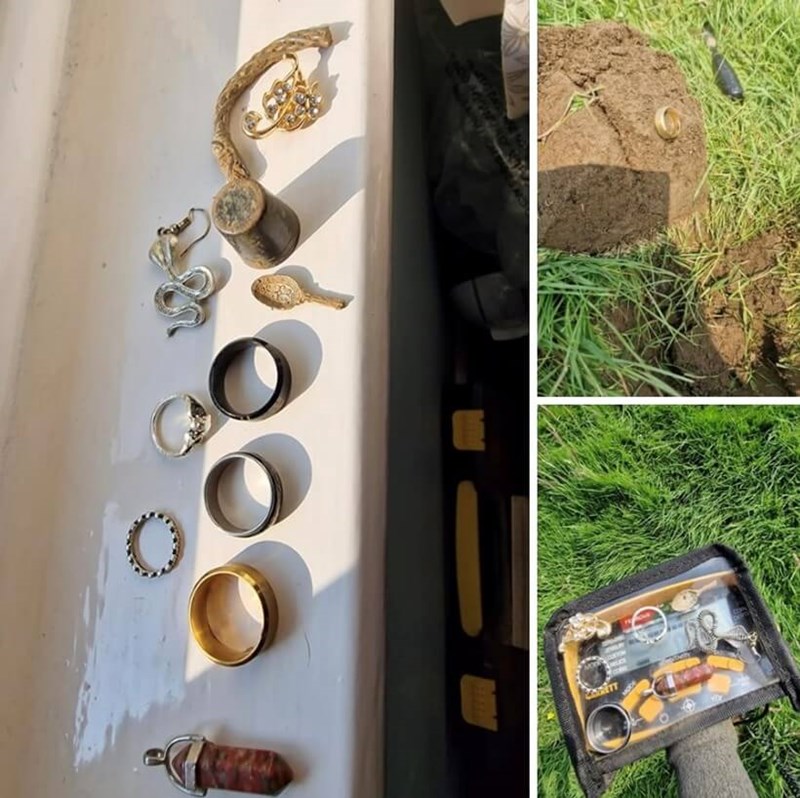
(583,350)
(622,489)
(754,168)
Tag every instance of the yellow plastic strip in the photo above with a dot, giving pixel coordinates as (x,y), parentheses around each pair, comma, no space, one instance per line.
(468,571)
(469,431)
(726,663)
(520,584)
(479,702)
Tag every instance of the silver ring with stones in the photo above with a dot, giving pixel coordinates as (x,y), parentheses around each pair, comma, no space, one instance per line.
(130,545)
(196,432)
(638,628)
(274,496)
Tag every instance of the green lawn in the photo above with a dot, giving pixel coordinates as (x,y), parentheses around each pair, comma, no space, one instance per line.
(622,489)
(583,351)
(753,150)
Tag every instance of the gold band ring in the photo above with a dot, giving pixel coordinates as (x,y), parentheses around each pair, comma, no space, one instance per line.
(211,645)
(668,123)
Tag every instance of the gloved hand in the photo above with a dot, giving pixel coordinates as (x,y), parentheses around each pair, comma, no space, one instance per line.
(707,765)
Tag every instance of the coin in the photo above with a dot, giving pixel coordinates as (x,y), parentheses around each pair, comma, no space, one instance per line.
(684,601)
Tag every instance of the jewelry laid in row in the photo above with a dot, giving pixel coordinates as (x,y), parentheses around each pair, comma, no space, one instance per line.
(197,429)
(264,231)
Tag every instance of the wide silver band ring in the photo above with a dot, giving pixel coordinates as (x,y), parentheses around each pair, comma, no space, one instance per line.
(198,428)
(211,494)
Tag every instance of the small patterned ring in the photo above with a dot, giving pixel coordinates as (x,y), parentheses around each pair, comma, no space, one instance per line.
(130,545)
(588,689)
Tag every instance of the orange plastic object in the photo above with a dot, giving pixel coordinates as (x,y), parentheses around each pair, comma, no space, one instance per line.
(726,663)
(632,699)
(719,683)
(651,709)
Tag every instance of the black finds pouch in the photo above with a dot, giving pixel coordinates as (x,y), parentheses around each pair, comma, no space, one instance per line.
(652,659)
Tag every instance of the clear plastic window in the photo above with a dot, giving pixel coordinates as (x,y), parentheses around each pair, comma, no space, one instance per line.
(662,655)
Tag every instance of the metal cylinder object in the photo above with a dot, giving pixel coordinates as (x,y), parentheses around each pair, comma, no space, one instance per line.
(608,728)
(263,229)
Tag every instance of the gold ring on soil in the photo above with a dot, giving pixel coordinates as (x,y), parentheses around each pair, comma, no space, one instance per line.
(668,123)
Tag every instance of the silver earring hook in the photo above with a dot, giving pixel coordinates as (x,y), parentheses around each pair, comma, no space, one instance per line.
(205,232)
(184,224)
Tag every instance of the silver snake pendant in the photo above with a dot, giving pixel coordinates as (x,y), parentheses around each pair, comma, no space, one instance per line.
(162,254)
(702,632)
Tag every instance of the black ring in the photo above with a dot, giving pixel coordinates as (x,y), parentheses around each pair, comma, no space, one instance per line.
(219,369)
(211,494)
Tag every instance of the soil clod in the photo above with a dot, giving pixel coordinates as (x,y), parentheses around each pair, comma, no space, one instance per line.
(606,176)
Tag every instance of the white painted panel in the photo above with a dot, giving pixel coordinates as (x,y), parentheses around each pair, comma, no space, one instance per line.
(97,664)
